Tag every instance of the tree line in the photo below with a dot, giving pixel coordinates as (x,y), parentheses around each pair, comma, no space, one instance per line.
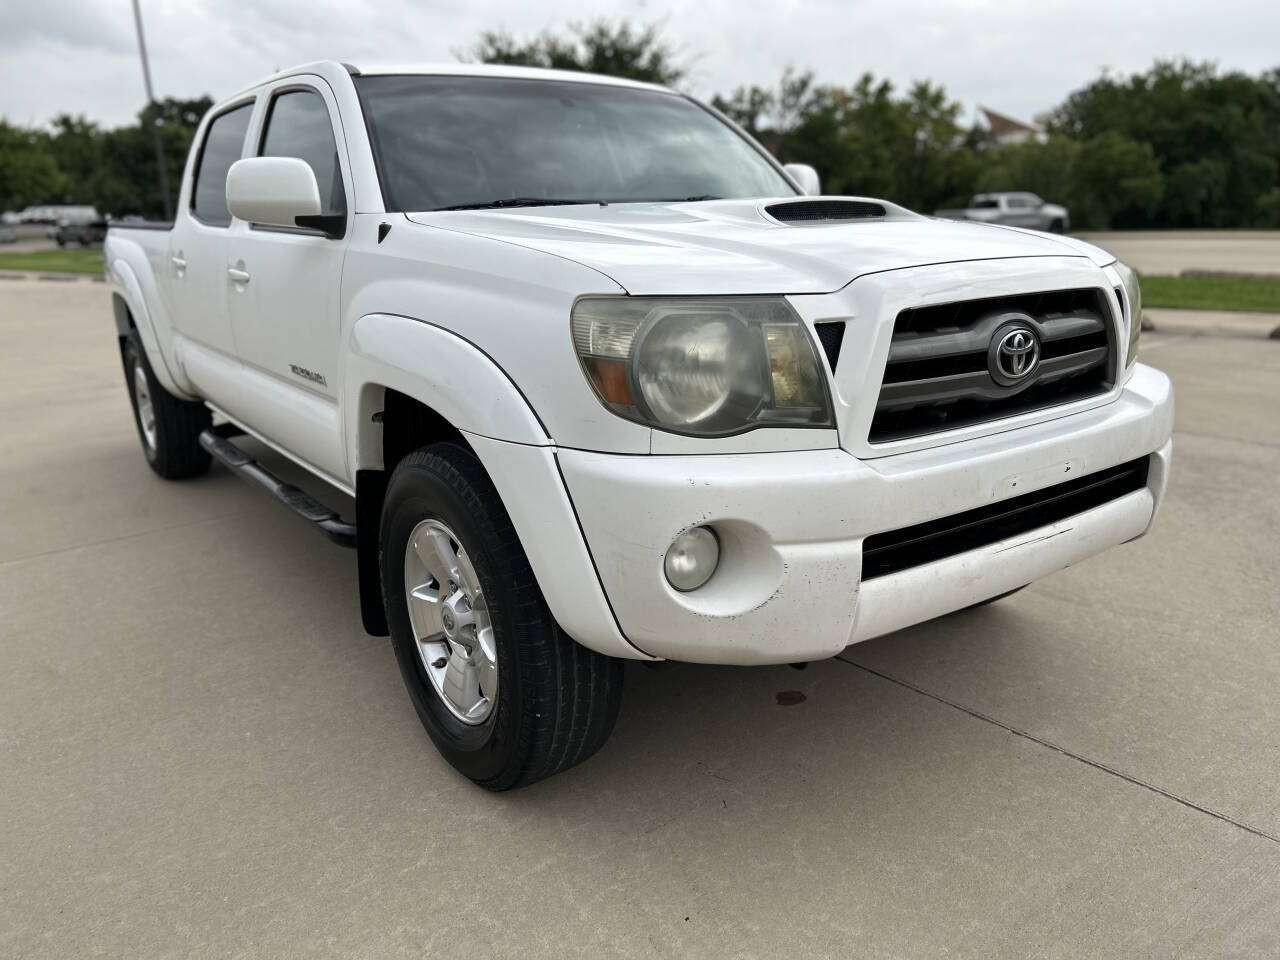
(1180,145)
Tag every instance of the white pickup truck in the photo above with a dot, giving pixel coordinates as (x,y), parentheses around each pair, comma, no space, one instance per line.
(606,384)
(1012,210)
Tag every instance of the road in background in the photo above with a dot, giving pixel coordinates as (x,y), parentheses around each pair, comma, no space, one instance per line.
(1172,251)
(203,754)
(30,236)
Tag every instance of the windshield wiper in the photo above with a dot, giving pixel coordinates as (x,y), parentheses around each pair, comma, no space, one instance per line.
(517,202)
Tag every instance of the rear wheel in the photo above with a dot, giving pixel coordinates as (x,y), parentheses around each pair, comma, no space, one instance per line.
(168,427)
(1057,226)
(506,696)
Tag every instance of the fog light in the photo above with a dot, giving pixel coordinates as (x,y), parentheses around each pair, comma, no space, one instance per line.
(692,558)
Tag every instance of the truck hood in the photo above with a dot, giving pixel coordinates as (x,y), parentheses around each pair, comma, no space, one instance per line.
(734,247)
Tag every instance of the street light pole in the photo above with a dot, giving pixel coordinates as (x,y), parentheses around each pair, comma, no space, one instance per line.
(155,121)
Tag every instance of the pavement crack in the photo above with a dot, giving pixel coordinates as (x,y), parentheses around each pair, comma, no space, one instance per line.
(1057,748)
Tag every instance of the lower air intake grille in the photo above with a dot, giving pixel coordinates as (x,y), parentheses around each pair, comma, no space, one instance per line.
(955,364)
(831,335)
(897,550)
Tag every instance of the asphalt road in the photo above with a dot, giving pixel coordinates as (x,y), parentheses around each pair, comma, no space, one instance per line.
(1172,251)
(202,755)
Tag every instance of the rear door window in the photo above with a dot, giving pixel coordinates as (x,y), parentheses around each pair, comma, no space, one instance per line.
(223,145)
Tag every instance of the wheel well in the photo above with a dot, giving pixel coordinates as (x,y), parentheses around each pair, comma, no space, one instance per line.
(408,424)
(123,317)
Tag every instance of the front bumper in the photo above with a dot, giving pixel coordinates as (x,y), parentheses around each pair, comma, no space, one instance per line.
(792,525)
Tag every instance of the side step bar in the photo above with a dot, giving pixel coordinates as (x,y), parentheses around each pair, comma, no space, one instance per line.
(300,502)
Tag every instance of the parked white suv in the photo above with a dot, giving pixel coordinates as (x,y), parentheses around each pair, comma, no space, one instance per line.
(606,386)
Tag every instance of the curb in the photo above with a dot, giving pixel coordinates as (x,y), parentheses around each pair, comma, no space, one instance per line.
(1230,274)
(1243,327)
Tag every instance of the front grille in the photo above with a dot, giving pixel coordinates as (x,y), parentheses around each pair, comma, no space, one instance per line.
(938,376)
(897,550)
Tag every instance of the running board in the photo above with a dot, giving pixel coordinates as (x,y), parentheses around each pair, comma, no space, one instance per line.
(300,502)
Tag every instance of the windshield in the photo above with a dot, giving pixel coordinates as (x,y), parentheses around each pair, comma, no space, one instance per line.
(444,142)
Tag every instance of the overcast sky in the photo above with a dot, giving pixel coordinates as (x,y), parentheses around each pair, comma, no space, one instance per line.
(80,56)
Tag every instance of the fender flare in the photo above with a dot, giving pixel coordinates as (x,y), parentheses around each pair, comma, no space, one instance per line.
(468,388)
(461,382)
(128,288)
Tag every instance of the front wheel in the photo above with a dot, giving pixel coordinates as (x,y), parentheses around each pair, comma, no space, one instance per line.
(506,696)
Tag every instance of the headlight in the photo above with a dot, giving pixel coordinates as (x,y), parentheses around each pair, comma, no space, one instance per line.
(1132,292)
(707,366)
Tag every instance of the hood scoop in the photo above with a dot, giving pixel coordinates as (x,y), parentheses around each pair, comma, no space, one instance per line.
(825,211)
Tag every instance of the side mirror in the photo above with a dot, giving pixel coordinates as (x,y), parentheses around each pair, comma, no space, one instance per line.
(805,177)
(279,192)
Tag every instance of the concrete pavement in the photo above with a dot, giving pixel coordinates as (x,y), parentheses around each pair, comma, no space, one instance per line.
(203,755)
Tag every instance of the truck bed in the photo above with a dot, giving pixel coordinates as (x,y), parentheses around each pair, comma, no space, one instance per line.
(141,225)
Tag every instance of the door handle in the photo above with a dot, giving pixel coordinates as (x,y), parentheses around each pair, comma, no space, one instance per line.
(178,262)
(238,275)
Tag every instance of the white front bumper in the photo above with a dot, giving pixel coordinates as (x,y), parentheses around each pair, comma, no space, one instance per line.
(792,525)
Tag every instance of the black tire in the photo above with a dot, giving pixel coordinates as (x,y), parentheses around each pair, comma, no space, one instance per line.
(557,701)
(176,452)
(1057,226)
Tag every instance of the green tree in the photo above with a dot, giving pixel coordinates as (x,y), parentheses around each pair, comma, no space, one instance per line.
(1214,136)
(115,170)
(863,139)
(76,147)
(1045,167)
(602,46)
(1105,181)
(28,173)
(1116,181)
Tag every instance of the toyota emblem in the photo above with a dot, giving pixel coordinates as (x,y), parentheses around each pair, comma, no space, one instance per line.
(1014,356)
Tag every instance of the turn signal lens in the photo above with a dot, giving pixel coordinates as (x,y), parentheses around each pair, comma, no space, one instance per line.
(795,379)
(1133,293)
(609,377)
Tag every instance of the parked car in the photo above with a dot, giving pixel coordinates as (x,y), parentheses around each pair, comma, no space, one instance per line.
(42,214)
(1014,210)
(83,232)
(9,218)
(72,225)
(606,385)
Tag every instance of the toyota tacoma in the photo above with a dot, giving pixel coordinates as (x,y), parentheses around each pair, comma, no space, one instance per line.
(607,382)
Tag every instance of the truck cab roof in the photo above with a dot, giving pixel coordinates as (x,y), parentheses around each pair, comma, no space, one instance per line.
(372,68)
